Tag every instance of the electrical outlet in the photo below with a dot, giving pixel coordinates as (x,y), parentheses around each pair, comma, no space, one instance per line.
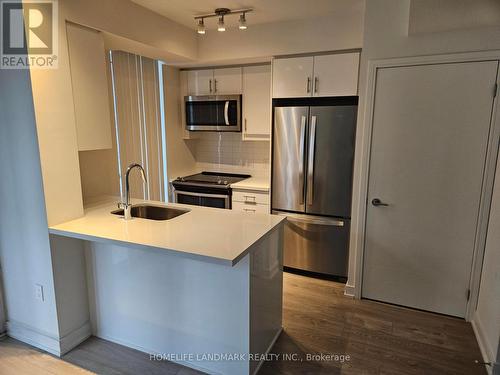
(39,292)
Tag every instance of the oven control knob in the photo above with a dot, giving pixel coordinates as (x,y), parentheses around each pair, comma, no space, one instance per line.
(225,182)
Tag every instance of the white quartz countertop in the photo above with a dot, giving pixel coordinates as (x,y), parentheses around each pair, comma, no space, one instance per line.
(253,183)
(209,234)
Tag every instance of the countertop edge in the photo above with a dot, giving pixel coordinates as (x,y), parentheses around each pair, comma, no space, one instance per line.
(184,254)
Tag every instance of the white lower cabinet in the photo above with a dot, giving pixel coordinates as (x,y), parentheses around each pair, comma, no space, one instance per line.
(250,201)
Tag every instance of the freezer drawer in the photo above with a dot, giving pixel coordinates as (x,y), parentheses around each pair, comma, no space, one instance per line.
(316,244)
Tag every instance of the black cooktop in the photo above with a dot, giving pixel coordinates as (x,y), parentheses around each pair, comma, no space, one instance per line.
(213,178)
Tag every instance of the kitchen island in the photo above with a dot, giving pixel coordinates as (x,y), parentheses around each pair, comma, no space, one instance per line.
(203,289)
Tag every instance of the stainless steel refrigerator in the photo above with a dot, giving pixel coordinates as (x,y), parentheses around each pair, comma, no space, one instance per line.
(312,166)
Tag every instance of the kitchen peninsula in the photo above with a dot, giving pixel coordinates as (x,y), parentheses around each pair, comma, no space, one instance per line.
(204,284)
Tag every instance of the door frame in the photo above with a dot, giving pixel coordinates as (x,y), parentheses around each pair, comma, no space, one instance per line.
(362,167)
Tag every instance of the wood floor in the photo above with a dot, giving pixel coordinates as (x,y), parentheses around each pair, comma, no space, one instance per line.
(318,318)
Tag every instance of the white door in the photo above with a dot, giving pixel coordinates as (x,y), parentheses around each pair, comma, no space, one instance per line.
(227,81)
(292,77)
(200,82)
(430,134)
(336,75)
(257,102)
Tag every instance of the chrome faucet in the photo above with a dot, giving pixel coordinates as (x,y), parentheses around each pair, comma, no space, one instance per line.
(126,206)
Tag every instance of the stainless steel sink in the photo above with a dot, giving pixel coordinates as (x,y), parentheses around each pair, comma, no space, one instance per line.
(145,211)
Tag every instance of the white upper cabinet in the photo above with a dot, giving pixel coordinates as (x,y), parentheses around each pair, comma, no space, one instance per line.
(323,75)
(200,82)
(292,77)
(90,88)
(222,81)
(227,81)
(257,102)
(336,75)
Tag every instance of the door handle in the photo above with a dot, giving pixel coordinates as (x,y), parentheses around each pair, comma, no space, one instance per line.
(377,202)
(310,167)
(302,142)
(226,112)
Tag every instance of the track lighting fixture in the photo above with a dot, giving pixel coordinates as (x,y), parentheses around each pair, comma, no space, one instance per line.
(221,13)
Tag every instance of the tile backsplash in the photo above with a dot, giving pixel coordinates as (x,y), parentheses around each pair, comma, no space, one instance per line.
(226,152)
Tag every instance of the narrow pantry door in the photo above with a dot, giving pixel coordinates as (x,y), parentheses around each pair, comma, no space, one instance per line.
(430,135)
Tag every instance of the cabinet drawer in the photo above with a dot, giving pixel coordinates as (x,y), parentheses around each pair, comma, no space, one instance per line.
(248,196)
(251,208)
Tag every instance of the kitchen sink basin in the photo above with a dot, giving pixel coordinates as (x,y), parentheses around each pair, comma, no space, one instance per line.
(145,211)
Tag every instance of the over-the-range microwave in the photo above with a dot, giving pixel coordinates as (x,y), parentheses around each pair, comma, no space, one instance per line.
(221,113)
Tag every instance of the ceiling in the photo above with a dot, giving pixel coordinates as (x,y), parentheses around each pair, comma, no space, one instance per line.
(265,11)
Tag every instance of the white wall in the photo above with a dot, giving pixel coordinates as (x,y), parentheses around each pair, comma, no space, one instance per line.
(487,317)
(334,32)
(24,241)
(444,15)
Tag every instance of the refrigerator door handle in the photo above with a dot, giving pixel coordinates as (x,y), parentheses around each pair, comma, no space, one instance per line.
(307,219)
(226,114)
(310,167)
(301,165)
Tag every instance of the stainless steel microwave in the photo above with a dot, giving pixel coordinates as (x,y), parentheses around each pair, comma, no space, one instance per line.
(221,113)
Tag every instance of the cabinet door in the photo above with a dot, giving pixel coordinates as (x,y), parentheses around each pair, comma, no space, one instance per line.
(292,77)
(227,81)
(336,75)
(257,102)
(90,88)
(200,82)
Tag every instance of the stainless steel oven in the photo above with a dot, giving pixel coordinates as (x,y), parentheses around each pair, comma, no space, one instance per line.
(213,113)
(210,189)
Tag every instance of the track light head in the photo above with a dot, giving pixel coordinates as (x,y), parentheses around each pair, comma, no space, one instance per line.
(201,27)
(220,25)
(243,22)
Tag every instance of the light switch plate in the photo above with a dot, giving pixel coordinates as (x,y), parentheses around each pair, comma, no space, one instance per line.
(39,292)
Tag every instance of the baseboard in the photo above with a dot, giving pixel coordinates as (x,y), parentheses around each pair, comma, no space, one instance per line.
(484,347)
(46,341)
(273,341)
(350,290)
(75,338)
(34,337)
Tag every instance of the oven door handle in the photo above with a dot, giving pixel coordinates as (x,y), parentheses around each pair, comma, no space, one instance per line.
(226,112)
(201,194)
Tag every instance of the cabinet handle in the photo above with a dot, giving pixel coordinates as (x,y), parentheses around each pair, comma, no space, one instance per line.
(249,199)
(210,85)
(246,125)
(308,85)
(248,210)
(316,84)
(215,85)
